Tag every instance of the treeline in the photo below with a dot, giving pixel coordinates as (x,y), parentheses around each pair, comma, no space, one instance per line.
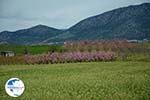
(97,45)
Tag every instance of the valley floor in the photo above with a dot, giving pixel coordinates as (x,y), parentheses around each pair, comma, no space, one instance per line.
(80,81)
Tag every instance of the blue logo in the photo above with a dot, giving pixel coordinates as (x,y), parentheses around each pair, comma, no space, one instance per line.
(14,87)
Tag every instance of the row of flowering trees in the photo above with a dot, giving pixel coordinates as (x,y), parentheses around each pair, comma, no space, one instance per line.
(97,45)
(68,57)
(75,51)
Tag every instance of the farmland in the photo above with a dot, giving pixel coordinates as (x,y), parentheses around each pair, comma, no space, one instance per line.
(77,51)
(79,70)
(80,81)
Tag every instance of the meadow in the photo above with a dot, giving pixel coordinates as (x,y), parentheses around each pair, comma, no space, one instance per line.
(31,49)
(80,81)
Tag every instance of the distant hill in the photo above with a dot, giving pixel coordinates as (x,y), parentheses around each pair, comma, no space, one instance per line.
(33,35)
(132,22)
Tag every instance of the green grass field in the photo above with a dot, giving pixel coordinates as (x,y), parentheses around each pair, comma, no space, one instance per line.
(80,81)
(32,49)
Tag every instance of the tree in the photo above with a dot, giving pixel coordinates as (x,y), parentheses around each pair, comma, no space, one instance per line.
(26,51)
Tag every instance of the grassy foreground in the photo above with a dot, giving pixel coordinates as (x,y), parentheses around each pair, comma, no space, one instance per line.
(80,81)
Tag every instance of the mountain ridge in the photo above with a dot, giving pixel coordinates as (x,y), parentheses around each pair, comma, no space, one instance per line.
(101,20)
(33,35)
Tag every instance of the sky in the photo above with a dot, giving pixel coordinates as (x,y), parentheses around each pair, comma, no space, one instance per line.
(61,14)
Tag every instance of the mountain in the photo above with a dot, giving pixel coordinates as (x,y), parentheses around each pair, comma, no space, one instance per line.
(132,22)
(33,35)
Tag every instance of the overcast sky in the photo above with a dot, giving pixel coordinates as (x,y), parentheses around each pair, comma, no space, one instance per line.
(61,14)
